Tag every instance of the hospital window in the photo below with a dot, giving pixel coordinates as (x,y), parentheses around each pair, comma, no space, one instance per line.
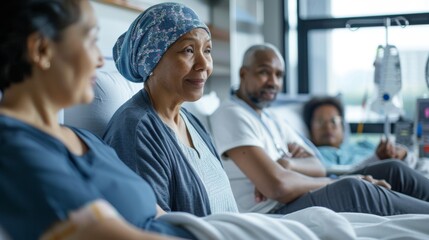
(335,59)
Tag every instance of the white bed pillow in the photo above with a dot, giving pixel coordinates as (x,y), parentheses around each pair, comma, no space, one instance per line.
(111,91)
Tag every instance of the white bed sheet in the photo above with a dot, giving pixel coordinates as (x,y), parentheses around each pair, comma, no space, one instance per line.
(309,223)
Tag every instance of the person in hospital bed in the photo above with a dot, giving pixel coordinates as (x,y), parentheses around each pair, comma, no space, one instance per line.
(48,58)
(169,49)
(60,182)
(324,117)
(272,169)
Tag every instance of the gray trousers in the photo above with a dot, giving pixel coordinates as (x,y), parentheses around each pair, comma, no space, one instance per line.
(409,193)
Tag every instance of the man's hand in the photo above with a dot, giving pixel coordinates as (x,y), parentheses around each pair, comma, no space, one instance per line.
(369,178)
(259,197)
(285,163)
(387,150)
(297,151)
(298,159)
(381,183)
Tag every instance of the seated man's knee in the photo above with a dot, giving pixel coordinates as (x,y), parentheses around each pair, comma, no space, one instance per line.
(394,163)
(350,183)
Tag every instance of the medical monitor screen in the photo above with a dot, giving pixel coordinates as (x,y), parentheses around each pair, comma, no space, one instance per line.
(423,110)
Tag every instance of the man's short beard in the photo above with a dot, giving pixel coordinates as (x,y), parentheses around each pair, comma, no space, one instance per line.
(260,104)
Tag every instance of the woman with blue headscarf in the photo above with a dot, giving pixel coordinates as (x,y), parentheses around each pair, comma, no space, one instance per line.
(51,173)
(169,49)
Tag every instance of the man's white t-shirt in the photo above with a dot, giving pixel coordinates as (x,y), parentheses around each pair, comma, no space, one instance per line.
(235,124)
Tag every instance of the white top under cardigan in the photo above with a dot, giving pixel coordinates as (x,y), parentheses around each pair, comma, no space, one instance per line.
(210,172)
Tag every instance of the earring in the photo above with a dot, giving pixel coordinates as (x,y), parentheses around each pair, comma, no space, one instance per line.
(46,65)
(149,77)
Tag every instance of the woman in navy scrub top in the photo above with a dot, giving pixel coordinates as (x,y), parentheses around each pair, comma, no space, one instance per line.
(48,58)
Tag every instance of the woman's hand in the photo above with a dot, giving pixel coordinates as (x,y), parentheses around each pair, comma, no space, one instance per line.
(401,152)
(387,150)
(97,220)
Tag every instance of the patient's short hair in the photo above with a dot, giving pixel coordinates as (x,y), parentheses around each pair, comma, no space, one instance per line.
(249,55)
(316,102)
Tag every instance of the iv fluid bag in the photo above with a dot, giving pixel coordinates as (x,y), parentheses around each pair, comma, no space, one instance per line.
(387,78)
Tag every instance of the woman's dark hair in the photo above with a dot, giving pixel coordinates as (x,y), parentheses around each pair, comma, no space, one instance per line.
(20,19)
(313,104)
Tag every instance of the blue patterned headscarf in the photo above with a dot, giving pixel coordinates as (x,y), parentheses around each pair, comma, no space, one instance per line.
(138,50)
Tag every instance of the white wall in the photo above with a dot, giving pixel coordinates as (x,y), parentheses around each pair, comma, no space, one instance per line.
(114,21)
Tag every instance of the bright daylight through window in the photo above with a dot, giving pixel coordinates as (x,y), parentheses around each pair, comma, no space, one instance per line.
(341,60)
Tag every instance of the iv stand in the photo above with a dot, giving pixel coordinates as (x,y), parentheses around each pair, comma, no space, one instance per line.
(387,129)
(354,25)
